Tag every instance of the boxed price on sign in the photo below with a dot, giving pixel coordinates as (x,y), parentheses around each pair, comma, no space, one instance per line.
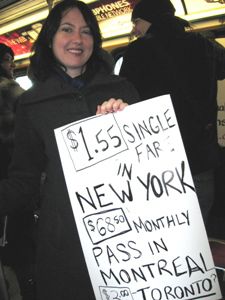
(135,205)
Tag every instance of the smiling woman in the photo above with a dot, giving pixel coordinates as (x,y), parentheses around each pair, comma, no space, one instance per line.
(70,40)
(73,43)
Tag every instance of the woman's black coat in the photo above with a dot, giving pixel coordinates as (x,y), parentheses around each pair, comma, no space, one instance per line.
(61,270)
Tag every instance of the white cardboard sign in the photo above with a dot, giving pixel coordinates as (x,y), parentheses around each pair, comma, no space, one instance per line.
(135,206)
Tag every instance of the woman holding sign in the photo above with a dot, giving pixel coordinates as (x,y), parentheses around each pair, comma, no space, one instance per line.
(71,81)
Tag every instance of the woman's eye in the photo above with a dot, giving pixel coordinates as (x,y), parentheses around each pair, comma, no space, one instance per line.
(86,31)
(66,29)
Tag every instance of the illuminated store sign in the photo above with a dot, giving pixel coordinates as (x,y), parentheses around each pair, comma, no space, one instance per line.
(113,17)
(198,9)
(111,10)
(22,39)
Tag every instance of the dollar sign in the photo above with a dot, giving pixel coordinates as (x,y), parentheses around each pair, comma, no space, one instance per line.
(71,136)
(90,223)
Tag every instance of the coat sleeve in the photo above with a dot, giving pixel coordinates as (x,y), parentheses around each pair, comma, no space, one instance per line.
(26,167)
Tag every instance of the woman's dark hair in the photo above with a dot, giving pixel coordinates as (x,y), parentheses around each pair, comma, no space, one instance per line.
(3,50)
(43,62)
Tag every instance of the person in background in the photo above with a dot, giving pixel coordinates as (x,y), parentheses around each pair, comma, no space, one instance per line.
(71,81)
(16,242)
(168,58)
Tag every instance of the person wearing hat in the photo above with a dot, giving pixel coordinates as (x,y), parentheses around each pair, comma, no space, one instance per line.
(169,58)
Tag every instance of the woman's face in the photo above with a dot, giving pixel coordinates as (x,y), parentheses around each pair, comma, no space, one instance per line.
(8,64)
(73,42)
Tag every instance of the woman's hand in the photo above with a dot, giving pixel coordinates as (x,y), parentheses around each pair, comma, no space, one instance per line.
(112,105)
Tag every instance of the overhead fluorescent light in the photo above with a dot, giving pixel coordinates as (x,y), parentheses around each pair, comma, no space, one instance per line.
(21,22)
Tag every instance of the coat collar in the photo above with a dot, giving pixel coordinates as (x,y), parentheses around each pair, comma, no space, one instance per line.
(47,89)
(55,86)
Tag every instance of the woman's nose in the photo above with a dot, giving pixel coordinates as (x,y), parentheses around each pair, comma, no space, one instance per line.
(77,37)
